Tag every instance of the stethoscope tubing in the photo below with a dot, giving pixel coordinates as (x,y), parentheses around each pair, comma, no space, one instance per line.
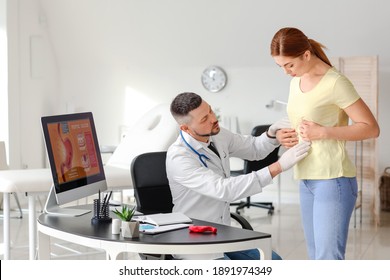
(201,156)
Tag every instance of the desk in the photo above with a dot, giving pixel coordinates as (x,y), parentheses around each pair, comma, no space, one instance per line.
(79,230)
(33,182)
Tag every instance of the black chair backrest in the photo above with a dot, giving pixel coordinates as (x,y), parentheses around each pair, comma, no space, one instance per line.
(250,166)
(150,182)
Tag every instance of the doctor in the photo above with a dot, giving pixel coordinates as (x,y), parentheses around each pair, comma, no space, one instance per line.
(199,177)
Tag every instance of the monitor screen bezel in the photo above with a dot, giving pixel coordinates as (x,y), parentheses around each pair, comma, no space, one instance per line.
(82,187)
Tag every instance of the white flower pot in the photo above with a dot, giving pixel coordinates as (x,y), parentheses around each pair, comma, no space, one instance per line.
(130,229)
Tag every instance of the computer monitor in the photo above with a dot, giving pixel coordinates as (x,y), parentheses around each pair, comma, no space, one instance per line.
(75,161)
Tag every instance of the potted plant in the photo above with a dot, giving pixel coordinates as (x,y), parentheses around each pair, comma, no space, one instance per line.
(129,228)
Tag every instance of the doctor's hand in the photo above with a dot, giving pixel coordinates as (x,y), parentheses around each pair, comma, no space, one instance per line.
(287,137)
(293,155)
(283,123)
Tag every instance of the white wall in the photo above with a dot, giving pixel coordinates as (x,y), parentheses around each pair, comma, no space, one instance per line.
(3,74)
(99,55)
(32,82)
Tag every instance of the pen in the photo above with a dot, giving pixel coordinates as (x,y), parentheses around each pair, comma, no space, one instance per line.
(98,206)
(105,204)
(104,200)
(108,199)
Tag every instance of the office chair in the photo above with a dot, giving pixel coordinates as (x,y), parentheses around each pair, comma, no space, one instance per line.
(250,166)
(152,192)
(151,185)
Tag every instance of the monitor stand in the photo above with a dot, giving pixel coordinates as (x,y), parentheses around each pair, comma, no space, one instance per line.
(52,208)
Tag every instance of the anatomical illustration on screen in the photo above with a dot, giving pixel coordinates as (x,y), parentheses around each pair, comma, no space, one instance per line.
(73,150)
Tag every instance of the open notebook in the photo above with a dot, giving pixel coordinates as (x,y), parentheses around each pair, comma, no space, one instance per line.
(164,219)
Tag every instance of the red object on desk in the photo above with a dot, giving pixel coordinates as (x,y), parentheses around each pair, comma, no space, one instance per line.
(202,229)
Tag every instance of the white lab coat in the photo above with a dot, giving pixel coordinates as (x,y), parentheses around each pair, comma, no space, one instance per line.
(205,193)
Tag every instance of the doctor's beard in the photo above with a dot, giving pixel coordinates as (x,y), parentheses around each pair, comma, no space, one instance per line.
(214,131)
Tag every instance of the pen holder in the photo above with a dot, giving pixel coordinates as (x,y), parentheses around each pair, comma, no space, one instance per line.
(101,214)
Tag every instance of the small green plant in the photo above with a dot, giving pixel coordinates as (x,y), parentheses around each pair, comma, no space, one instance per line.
(126,214)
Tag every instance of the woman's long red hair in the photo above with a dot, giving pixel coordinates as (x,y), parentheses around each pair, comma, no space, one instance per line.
(292,42)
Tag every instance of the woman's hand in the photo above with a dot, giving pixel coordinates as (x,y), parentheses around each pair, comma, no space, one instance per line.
(310,131)
(287,137)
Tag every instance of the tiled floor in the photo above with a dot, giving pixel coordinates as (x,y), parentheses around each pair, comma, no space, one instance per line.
(365,241)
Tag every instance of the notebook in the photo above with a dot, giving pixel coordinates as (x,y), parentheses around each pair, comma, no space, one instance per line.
(164,219)
(152,229)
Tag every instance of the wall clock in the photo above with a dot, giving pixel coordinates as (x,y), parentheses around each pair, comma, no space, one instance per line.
(214,78)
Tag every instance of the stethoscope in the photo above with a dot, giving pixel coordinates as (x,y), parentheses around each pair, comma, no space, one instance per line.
(201,156)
